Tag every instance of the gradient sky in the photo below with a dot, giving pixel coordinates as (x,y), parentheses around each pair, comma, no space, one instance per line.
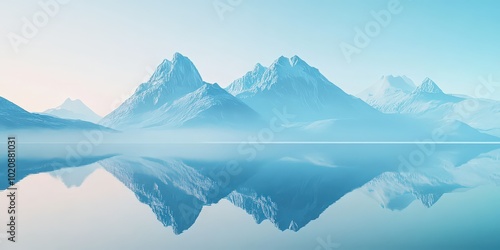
(100,51)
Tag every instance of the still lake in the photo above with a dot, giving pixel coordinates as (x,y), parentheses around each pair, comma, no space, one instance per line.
(267,196)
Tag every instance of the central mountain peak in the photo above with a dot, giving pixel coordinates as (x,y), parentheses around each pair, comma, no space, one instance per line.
(293,74)
(302,89)
(180,70)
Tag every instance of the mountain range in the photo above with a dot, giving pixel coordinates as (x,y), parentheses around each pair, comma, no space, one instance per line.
(292,84)
(399,95)
(176,96)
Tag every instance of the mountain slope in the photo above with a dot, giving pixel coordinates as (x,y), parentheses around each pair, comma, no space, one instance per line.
(176,96)
(399,95)
(14,117)
(247,81)
(428,101)
(206,106)
(292,84)
(388,93)
(426,97)
(74,109)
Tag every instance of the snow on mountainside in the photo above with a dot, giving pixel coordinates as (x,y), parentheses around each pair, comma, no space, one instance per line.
(389,83)
(74,109)
(177,96)
(388,93)
(430,102)
(292,84)
(429,86)
(426,97)
(14,117)
(247,81)
(204,107)
(387,128)
(399,95)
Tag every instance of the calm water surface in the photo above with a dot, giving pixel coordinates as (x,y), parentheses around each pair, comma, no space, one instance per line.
(265,197)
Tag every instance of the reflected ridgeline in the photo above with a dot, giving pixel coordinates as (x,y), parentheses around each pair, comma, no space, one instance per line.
(292,185)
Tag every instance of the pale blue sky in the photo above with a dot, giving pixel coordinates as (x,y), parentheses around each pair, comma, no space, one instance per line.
(99,51)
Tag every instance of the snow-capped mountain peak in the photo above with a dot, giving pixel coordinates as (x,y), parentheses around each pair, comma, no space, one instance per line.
(180,70)
(292,65)
(171,80)
(296,60)
(283,61)
(177,96)
(164,68)
(399,95)
(429,86)
(291,82)
(388,93)
(292,73)
(74,109)
(389,85)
